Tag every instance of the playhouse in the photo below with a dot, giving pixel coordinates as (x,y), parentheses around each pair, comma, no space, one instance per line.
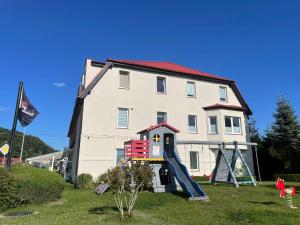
(157,145)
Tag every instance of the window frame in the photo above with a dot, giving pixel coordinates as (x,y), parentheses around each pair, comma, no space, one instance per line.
(118,110)
(117,164)
(209,125)
(231,125)
(164,84)
(194,84)
(226,94)
(165,116)
(197,160)
(119,76)
(196,124)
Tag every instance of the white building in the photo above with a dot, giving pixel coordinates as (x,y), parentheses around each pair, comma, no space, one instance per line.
(118,98)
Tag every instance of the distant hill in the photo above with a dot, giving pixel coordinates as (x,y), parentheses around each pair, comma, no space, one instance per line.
(33,146)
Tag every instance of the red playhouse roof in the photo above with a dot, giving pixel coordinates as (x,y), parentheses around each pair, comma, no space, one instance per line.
(223,106)
(163,124)
(168,66)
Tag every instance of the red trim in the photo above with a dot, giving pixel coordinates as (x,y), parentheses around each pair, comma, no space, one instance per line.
(168,66)
(223,106)
(163,124)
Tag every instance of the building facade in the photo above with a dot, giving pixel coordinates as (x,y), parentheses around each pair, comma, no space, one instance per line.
(118,98)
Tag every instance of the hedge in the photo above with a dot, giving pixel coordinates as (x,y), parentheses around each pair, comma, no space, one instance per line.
(288,177)
(8,191)
(37,185)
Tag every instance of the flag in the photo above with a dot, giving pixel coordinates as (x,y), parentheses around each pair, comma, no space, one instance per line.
(27,113)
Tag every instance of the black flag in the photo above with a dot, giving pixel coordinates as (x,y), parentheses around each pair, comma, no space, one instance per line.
(27,113)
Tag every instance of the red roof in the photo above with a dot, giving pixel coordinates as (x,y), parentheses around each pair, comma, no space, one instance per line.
(223,106)
(168,66)
(163,124)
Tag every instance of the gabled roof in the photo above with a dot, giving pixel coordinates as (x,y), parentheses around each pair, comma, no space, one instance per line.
(168,66)
(162,124)
(223,106)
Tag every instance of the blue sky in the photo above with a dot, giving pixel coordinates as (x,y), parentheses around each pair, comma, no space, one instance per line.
(256,43)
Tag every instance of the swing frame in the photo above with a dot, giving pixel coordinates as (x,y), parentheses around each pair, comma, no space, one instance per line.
(230,166)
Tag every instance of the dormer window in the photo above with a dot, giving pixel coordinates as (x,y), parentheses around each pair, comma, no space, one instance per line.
(223,94)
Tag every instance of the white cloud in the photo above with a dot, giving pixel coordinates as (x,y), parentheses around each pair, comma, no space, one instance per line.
(59,84)
(4,108)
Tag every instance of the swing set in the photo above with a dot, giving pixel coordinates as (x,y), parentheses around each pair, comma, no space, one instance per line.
(229,160)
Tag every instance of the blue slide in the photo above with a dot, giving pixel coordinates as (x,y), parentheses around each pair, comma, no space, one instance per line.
(190,187)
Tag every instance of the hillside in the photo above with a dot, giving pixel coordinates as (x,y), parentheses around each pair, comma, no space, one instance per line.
(33,146)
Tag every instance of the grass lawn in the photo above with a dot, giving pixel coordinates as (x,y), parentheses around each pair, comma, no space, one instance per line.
(227,205)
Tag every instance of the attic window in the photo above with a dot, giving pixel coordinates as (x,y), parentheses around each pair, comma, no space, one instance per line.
(223,93)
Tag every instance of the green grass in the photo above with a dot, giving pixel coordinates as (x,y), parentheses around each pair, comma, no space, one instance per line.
(227,205)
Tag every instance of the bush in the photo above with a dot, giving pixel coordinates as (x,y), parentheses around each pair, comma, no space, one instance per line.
(85,181)
(8,191)
(142,173)
(37,185)
(288,177)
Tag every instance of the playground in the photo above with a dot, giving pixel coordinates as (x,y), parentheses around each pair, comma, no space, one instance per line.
(227,205)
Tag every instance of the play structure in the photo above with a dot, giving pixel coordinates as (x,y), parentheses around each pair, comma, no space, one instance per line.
(227,156)
(158,145)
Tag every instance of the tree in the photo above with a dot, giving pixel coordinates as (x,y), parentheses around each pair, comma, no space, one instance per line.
(282,138)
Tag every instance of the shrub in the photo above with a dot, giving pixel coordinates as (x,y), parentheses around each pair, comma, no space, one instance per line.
(142,173)
(8,191)
(37,185)
(288,177)
(85,181)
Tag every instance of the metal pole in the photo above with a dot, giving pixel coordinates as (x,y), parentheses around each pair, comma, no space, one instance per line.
(257,164)
(13,130)
(21,154)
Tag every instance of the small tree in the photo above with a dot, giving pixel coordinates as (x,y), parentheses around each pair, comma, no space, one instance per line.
(282,138)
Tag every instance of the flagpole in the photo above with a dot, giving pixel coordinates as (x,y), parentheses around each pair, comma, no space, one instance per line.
(13,130)
(21,155)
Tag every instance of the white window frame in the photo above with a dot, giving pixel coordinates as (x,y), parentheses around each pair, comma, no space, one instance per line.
(165,85)
(197,159)
(232,128)
(119,76)
(165,116)
(226,94)
(194,84)
(118,118)
(196,124)
(117,155)
(209,125)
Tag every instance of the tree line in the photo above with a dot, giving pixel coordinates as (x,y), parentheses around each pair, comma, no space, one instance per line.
(33,146)
(279,146)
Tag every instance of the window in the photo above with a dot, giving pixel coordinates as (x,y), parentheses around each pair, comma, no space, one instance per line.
(120,156)
(213,125)
(233,125)
(123,79)
(122,118)
(192,121)
(194,160)
(191,90)
(223,94)
(161,85)
(161,117)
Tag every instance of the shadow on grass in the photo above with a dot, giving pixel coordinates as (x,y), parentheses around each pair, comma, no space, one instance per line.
(103,210)
(263,203)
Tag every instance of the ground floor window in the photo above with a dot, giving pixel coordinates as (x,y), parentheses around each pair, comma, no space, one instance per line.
(120,155)
(194,160)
